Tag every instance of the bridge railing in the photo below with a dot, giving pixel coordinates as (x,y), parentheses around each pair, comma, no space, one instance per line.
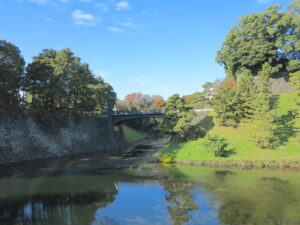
(160,111)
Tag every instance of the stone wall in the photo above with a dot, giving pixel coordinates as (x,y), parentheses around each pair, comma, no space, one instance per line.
(279,83)
(23,138)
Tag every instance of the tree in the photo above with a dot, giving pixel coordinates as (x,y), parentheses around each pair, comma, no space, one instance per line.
(195,99)
(11,72)
(134,100)
(229,82)
(246,94)
(57,81)
(40,84)
(103,94)
(295,80)
(269,37)
(263,125)
(172,108)
(179,116)
(227,107)
(158,101)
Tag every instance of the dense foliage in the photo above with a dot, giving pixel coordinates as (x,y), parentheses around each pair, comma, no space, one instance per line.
(11,73)
(180,115)
(264,125)
(54,82)
(269,37)
(227,107)
(141,102)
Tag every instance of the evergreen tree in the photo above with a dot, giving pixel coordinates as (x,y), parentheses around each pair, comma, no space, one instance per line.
(103,93)
(271,37)
(11,72)
(57,81)
(227,107)
(179,116)
(246,94)
(173,106)
(263,125)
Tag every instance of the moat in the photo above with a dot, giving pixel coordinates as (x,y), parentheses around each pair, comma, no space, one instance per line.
(90,189)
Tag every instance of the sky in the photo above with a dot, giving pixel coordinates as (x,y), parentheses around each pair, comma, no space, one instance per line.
(150,46)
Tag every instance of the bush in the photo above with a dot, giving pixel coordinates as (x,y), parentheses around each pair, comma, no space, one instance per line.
(192,133)
(218,146)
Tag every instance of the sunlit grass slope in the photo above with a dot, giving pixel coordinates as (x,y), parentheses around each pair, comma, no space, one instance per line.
(240,140)
(132,135)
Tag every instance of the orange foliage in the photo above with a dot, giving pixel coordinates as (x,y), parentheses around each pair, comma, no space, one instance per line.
(229,82)
(135,99)
(158,101)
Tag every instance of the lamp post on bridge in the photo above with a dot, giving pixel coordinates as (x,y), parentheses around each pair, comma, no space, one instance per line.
(115,109)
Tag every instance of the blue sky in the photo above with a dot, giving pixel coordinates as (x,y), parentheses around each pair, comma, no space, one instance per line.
(149,46)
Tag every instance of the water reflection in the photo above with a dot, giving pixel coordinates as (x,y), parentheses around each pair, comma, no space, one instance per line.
(152,194)
(181,200)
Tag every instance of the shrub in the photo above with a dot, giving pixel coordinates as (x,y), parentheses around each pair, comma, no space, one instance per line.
(192,133)
(218,146)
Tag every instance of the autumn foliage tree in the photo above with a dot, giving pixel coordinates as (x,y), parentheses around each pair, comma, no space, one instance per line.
(141,102)
(158,101)
(134,99)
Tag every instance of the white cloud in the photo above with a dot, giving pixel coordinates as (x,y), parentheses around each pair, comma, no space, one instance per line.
(123,6)
(103,7)
(86,19)
(114,29)
(263,1)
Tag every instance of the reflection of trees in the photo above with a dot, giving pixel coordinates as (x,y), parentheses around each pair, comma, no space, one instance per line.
(181,200)
(55,200)
(263,200)
(70,208)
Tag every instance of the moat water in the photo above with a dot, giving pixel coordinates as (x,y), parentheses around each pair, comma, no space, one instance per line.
(94,190)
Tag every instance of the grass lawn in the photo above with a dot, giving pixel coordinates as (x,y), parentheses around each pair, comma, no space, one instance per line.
(132,135)
(240,140)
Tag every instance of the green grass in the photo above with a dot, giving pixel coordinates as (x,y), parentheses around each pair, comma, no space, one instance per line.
(238,139)
(132,135)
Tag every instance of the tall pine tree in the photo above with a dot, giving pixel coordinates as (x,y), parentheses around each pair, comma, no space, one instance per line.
(246,94)
(227,107)
(264,126)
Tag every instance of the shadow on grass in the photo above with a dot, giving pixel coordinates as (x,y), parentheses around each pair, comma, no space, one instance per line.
(286,126)
(218,146)
(207,123)
(226,153)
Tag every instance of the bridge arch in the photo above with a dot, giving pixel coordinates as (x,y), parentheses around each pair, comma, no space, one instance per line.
(121,117)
